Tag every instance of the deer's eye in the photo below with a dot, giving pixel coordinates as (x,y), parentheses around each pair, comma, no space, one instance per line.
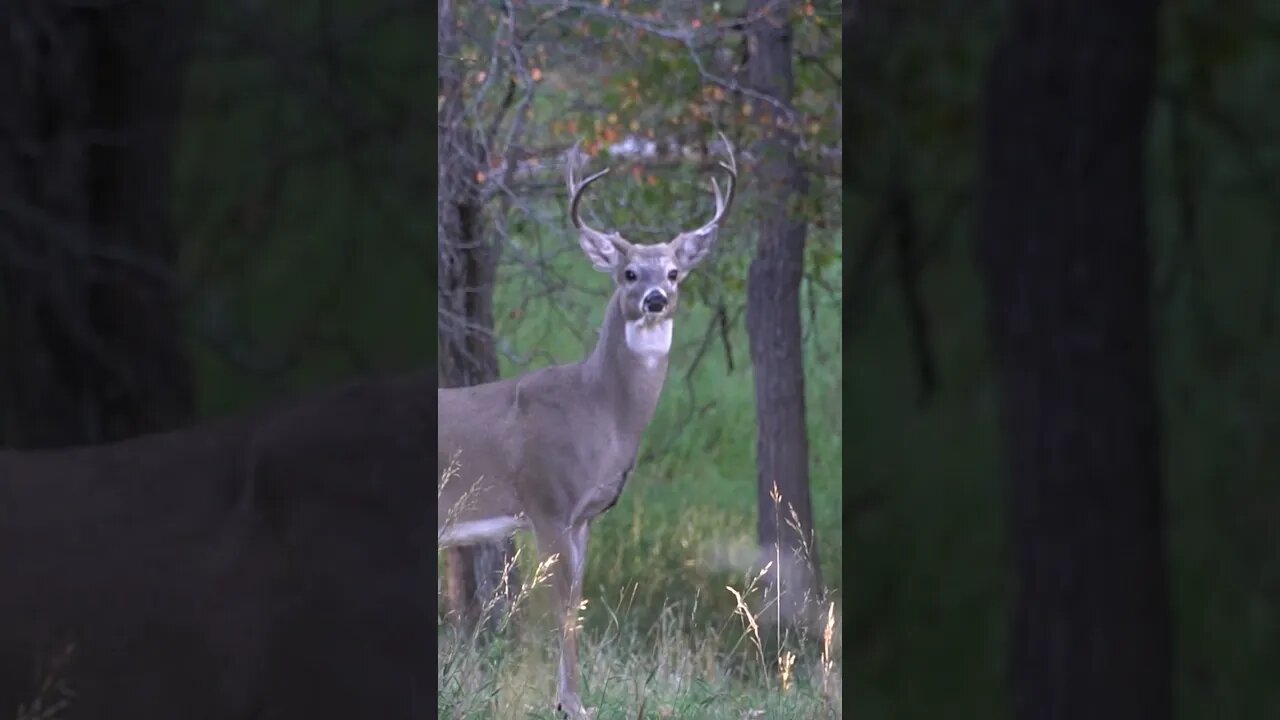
(630,275)
(672,275)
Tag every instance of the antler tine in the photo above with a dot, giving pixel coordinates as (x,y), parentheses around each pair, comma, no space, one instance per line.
(715,188)
(732,167)
(576,190)
(722,203)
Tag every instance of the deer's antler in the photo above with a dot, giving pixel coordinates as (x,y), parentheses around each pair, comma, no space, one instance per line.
(722,201)
(576,190)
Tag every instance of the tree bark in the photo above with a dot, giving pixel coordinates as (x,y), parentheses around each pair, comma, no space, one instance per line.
(773,327)
(468,263)
(90,342)
(1065,257)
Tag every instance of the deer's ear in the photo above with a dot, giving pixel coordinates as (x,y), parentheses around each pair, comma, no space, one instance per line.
(692,248)
(605,251)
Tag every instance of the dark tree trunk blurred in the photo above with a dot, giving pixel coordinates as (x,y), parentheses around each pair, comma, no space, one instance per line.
(773,326)
(90,345)
(1064,252)
(468,265)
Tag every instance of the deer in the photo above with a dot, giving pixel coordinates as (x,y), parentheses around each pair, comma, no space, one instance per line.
(551,450)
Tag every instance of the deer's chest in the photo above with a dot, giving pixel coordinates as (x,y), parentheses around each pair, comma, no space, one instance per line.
(602,497)
(609,463)
(604,451)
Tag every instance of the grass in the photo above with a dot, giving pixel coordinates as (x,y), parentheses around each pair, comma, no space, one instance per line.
(686,663)
(676,668)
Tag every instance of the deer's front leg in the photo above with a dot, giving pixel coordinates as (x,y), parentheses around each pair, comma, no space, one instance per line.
(566,585)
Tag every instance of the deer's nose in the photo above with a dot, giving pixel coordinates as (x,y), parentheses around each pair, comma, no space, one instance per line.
(655,301)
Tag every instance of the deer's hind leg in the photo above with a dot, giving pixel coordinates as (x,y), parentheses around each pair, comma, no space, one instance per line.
(570,545)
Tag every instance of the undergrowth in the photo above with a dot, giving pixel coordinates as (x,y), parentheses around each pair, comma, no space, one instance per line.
(685,664)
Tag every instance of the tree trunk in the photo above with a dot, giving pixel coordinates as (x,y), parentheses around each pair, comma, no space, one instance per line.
(1064,252)
(773,326)
(90,348)
(468,265)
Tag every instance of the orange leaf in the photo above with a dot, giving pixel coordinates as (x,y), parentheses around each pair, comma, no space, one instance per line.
(536,74)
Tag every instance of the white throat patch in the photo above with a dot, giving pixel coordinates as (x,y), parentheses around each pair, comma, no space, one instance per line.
(651,341)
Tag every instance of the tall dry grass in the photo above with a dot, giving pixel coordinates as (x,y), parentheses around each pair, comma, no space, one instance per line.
(746,659)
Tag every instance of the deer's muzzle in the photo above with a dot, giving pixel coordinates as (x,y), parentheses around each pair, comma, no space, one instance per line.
(655,301)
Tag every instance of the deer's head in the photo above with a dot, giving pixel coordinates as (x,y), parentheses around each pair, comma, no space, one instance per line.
(649,276)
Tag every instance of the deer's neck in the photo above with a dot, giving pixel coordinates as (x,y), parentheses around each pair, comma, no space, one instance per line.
(629,365)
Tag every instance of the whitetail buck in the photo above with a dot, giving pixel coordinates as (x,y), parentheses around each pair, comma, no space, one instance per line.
(550,450)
